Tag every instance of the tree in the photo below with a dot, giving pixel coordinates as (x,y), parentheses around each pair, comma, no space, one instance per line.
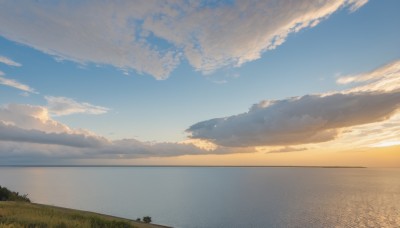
(147,219)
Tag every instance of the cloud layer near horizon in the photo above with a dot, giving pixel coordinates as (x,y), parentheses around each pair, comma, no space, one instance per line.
(28,133)
(300,120)
(310,118)
(154,36)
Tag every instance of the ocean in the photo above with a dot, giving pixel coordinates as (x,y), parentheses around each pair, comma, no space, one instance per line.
(220,196)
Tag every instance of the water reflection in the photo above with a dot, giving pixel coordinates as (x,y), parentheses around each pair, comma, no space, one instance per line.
(221,197)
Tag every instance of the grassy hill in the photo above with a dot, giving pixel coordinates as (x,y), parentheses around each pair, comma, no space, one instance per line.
(23,214)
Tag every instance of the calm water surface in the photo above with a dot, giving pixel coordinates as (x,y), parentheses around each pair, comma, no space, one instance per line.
(220,197)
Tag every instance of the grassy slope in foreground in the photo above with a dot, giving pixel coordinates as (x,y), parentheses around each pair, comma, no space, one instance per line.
(20,214)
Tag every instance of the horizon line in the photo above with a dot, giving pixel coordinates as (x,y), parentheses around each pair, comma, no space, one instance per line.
(188,166)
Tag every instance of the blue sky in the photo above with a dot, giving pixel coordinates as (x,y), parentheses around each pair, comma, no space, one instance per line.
(150,71)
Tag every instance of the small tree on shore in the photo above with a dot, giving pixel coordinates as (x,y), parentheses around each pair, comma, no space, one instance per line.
(147,219)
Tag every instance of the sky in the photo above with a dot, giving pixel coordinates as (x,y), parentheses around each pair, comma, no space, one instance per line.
(273,82)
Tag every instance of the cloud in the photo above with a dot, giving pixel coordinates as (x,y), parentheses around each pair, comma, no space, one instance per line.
(154,36)
(32,124)
(16,134)
(29,135)
(15,84)
(10,82)
(132,148)
(287,149)
(366,108)
(298,120)
(24,152)
(9,62)
(32,117)
(369,135)
(61,106)
(355,5)
(384,78)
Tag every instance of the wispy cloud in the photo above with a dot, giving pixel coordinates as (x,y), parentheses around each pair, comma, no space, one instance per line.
(10,82)
(61,106)
(369,135)
(356,4)
(15,84)
(154,36)
(9,62)
(384,78)
(287,149)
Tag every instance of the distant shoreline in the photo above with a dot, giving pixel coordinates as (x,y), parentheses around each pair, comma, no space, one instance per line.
(184,166)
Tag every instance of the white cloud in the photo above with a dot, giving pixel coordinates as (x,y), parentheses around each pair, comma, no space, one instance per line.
(10,82)
(61,106)
(15,84)
(9,62)
(356,4)
(31,117)
(153,36)
(32,124)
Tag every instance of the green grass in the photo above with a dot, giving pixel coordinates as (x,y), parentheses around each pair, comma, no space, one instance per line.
(22,214)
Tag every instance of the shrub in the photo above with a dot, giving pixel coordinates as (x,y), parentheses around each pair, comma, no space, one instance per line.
(7,195)
(147,219)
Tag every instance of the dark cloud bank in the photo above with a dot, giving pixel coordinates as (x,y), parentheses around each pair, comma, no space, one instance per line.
(299,120)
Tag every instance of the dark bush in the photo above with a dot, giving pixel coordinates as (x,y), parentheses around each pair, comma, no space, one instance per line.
(147,219)
(7,195)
